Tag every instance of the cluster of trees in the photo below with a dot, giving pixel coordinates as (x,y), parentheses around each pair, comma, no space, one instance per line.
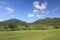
(42,24)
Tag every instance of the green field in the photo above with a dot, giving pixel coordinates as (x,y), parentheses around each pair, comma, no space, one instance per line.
(30,35)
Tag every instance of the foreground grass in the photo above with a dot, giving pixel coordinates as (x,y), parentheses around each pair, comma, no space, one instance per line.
(30,35)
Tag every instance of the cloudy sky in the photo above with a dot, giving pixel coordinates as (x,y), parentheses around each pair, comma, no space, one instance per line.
(29,10)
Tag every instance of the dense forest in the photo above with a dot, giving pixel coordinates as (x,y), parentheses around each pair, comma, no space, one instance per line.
(42,24)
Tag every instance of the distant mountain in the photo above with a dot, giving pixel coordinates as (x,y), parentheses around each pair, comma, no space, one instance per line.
(48,21)
(14,21)
(15,24)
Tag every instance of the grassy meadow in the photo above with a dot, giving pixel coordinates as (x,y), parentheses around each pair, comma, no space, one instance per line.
(30,35)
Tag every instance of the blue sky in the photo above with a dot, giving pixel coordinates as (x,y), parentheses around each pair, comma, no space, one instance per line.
(29,10)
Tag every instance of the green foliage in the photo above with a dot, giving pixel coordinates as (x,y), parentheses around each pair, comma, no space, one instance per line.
(42,24)
(47,22)
(56,27)
(12,26)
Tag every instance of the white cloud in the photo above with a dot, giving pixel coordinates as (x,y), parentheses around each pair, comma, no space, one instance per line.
(41,7)
(4,8)
(30,15)
(9,9)
(35,11)
(40,16)
(36,3)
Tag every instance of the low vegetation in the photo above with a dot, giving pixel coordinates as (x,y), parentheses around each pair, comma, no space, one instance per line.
(30,35)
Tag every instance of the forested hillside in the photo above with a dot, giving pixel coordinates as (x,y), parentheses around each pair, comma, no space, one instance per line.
(48,23)
(42,24)
(12,24)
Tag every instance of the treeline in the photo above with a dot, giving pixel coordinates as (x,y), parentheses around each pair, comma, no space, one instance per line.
(42,24)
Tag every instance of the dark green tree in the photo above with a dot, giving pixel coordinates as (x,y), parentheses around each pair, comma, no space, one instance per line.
(12,26)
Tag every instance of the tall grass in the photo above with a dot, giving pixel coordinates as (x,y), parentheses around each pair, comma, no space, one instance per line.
(30,35)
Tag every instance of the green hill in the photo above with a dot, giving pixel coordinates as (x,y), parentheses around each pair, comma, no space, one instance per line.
(42,24)
(13,24)
(47,22)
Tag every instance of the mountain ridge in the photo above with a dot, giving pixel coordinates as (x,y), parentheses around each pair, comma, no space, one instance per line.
(46,23)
